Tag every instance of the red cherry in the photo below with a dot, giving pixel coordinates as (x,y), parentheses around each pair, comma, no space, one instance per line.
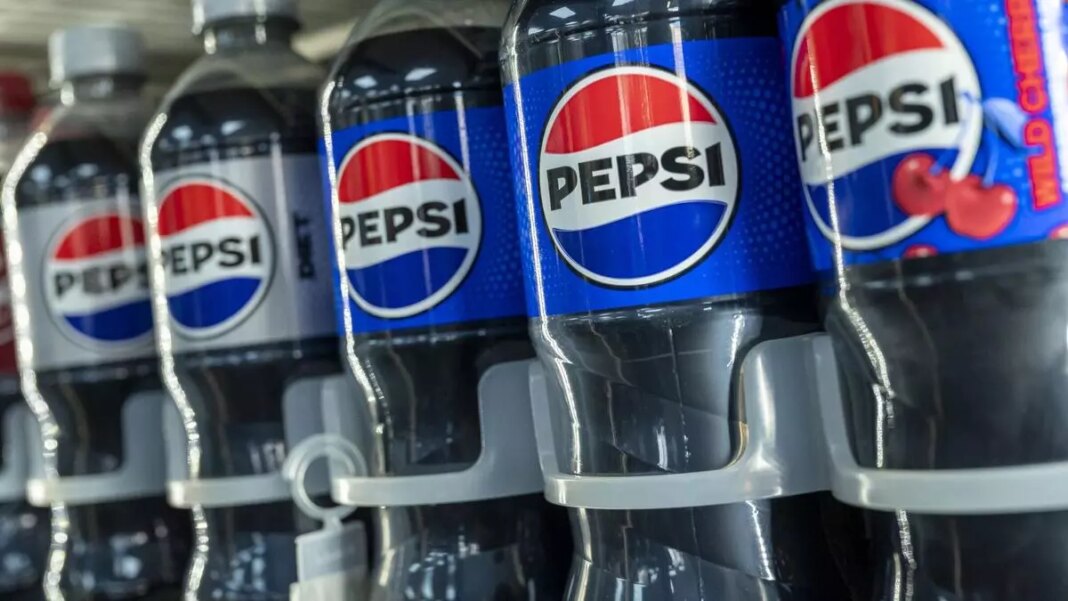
(978,212)
(918,191)
(920,251)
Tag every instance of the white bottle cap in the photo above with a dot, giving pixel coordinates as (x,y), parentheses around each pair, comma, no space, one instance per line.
(95,50)
(210,11)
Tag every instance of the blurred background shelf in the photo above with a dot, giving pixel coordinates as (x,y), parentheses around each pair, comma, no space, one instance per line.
(26,24)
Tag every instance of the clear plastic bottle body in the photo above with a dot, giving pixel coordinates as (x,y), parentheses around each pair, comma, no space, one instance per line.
(417,61)
(925,389)
(948,338)
(654,387)
(85,154)
(245,111)
(24,542)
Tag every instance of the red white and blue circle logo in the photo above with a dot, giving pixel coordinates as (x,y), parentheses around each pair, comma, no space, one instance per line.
(882,90)
(96,280)
(639,176)
(218,254)
(411,224)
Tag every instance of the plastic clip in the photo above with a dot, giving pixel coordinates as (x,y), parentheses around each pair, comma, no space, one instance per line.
(507,466)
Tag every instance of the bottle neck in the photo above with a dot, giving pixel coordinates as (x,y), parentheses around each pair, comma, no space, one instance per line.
(248,32)
(13,126)
(101,87)
(13,130)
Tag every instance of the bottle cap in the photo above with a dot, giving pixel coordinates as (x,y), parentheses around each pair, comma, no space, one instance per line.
(210,11)
(16,93)
(95,50)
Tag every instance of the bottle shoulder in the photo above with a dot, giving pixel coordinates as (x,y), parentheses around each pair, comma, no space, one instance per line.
(262,67)
(539,16)
(120,119)
(240,99)
(89,151)
(414,63)
(542,33)
(413,48)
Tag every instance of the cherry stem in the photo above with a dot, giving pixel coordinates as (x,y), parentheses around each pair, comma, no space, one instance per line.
(990,139)
(944,158)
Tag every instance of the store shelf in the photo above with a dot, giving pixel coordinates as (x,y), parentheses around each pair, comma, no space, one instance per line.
(25,26)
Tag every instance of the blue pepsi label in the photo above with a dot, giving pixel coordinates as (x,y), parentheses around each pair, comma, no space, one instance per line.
(655,175)
(425,221)
(928,126)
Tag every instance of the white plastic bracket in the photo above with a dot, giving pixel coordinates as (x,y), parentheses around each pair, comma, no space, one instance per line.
(507,466)
(142,471)
(302,420)
(981,491)
(796,441)
(781,456)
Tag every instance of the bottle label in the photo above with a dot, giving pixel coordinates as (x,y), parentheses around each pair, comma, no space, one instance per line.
(425,221)
(243,263)
(932,127)
(86,282)
(656,175)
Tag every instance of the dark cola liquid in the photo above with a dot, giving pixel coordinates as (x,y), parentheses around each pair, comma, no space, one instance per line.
(655,389)
(427,380)
(24,529)
(134,549)
(973,349)
(237,394)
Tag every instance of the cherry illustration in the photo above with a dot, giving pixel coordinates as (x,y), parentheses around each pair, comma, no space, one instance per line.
(979,211)
(1060,232)
(920,185)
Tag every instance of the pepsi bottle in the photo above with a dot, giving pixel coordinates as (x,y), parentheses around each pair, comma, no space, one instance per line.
(430,291)
(84,324)
(23,528)
(931,147)
(662,243)
(246,315)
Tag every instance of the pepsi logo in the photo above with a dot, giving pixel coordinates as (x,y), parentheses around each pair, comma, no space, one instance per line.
(639,176)
(218,257)
(411,224)
(875,82)
(96,280)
